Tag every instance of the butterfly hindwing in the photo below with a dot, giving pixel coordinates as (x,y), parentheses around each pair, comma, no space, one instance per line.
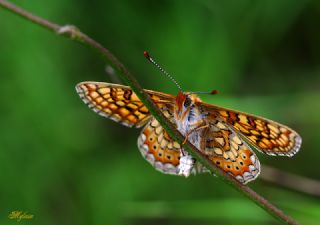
(160,150)
(227,150)
(119,102)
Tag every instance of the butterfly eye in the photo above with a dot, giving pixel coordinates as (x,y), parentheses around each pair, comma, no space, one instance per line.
(187,102)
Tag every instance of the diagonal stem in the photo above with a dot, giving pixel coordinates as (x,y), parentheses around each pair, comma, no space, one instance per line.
(73,33)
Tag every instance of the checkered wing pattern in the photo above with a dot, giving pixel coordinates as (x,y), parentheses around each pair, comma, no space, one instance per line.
(267,136)
(119,102)
(223,146)
(160,150)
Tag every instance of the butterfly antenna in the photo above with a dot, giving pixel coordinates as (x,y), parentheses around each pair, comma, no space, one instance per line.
(213,92)
(146,54)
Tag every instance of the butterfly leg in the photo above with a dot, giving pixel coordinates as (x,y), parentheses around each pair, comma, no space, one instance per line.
(186,163)
(199,127)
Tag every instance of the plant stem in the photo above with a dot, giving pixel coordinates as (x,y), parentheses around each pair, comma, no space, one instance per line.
(291,181)
(73,33)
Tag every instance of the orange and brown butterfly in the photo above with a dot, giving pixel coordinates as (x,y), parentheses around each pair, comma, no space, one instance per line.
(223,135)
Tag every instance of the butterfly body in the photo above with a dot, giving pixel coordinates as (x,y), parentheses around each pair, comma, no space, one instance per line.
(188,117)
(219,133)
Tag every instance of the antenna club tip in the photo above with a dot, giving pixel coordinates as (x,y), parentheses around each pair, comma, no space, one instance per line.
(146,54)
(214,92)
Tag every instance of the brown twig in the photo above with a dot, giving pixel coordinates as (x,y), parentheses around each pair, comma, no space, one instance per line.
(290,181)
(75,34)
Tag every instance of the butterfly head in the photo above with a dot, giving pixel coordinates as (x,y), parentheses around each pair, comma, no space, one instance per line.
(185,103)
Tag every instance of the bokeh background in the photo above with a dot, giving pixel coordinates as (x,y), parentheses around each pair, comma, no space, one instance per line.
(67,165)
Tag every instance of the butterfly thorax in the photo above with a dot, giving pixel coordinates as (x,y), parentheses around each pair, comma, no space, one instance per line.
(188,117)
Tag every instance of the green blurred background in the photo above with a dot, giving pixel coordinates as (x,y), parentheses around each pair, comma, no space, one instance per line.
(67,165)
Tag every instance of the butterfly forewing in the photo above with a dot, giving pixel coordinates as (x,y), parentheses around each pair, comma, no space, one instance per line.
(266,135)
(119,102)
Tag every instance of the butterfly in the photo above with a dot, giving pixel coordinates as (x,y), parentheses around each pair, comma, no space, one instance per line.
(223,135)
